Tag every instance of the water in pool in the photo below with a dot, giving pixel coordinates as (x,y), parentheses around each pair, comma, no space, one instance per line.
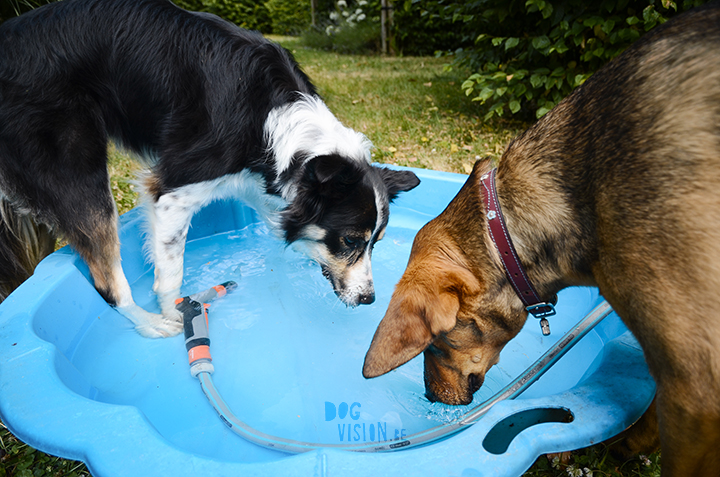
(288,354)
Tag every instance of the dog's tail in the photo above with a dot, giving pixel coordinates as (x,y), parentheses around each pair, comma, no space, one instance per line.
(23,243)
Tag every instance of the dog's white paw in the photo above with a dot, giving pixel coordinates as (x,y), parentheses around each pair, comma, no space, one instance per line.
(153,325)
(167,300)
(161,328)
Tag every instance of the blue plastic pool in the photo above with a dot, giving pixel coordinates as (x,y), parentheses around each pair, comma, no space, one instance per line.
(78,382)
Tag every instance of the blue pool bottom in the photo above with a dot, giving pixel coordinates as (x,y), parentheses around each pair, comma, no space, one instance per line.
(78,382)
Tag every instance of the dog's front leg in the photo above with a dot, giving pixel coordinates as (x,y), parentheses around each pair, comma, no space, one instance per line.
(170,219)
(98,244)
(110,281)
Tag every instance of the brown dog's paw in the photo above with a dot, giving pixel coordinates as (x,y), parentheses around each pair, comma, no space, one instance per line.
(641,438)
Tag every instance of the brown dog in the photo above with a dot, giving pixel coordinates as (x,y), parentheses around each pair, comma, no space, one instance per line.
(617,187)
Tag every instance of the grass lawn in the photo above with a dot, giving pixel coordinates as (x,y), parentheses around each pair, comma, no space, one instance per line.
(416,115)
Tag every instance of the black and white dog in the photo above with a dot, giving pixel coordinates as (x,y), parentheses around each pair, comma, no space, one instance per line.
(213,110)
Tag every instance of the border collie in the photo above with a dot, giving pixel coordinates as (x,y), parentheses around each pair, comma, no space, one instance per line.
(214,112)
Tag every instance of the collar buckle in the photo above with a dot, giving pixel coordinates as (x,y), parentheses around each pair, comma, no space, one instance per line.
(541,310)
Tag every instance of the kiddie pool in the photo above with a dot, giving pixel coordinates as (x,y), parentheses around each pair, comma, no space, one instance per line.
(78,382)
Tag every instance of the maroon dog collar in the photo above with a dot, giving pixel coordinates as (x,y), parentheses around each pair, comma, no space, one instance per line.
(513,268)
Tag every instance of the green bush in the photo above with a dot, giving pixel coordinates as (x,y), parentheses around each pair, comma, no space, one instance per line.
(361,38)
(529,54)
(289,17)
(248,14)
(421,28)
(317,38)
(347,26)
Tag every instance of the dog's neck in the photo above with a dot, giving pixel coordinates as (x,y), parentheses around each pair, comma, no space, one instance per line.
(298,131)
(544,223)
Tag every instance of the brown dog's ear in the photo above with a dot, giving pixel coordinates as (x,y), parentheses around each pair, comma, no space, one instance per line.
(418,312)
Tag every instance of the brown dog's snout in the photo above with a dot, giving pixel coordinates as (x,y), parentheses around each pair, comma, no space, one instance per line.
(446,385)
(430,395)
(446,395)
(475,381)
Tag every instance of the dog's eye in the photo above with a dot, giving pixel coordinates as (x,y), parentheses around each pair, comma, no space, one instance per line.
(351,242)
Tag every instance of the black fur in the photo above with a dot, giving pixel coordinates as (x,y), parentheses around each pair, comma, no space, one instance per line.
(153,69)
(187,92)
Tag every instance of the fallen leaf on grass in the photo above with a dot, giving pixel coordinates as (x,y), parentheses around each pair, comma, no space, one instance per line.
(562,457)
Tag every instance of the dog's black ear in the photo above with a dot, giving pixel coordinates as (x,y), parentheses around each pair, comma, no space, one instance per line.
(331,175)
(323,180)
(398,181)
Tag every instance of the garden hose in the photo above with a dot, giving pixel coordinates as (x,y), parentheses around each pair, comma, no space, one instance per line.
(197,342)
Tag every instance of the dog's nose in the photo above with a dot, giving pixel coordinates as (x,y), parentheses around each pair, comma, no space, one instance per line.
(475,381)
(367,298)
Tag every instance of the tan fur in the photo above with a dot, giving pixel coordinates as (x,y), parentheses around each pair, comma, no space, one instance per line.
(102,248)
(28,242)
(617,187)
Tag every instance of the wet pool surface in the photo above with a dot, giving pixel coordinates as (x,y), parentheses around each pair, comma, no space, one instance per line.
(288,359)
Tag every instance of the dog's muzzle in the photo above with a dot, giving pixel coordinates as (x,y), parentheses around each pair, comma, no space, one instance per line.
(350,299)
(352,296)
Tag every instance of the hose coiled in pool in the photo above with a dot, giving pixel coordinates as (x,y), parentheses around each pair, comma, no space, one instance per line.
(197,342)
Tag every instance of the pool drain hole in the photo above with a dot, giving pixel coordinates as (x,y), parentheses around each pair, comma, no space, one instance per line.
(501,435)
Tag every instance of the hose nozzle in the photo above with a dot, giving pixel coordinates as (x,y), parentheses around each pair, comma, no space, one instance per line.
(195,323)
